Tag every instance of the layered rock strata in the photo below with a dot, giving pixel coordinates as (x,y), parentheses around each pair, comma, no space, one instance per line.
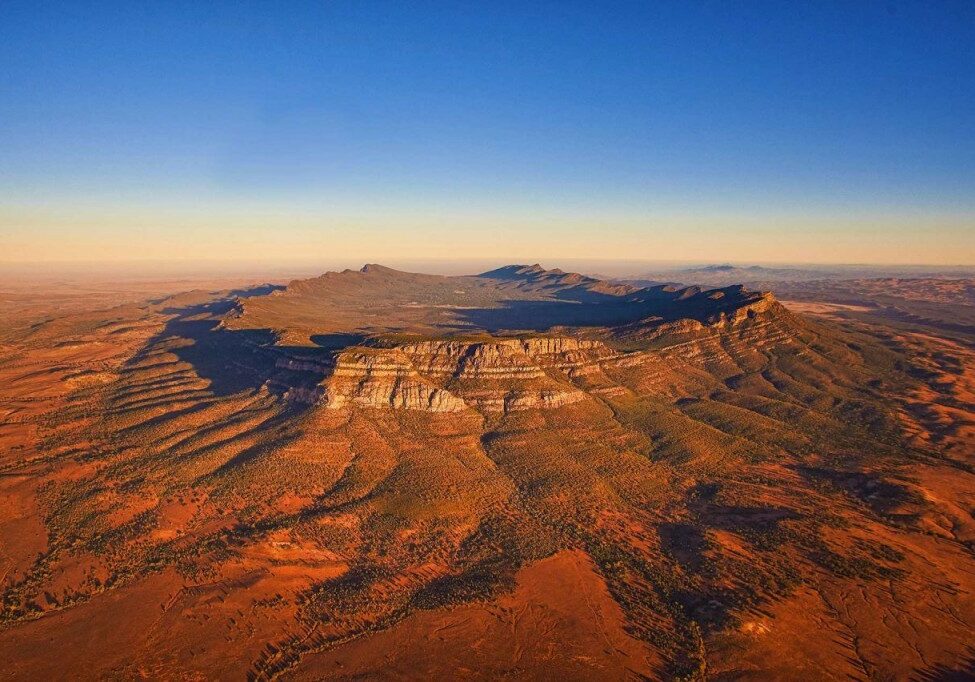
(544,372)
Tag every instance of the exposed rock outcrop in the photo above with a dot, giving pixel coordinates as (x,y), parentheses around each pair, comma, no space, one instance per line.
(534,338)
(384,378)
(544,372)
(450,375)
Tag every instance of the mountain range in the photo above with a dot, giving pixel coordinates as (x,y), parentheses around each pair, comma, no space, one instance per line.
(522,473)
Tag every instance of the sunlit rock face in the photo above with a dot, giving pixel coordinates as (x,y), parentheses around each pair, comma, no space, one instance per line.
(541,372)
(384,378)
(516,338)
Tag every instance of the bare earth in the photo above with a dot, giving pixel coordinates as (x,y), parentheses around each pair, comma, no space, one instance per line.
(528,474)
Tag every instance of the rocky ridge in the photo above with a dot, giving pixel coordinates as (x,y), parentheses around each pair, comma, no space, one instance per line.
(540,372)
(516,338)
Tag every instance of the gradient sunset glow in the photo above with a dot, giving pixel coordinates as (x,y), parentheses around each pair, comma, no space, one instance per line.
(827,132)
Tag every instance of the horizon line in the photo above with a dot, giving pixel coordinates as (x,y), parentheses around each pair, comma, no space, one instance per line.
(514,260)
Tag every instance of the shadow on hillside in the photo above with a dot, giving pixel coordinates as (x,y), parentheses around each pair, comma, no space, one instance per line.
(239,360)
(543,315)
(235,361)
(232,361)
(336,342)
(882,495)
(581,307)
(964,670)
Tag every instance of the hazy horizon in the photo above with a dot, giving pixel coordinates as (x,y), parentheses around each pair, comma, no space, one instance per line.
(282,271)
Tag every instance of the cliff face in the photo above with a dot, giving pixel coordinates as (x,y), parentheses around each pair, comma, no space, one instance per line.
(765,306)
(538,339)
(449,376)
(384,378)
(546,372)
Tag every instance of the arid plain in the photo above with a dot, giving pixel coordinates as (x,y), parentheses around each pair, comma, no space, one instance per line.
(522,474)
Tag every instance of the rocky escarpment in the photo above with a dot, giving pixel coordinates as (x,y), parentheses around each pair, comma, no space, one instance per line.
(445,376)
(451,375)
(762,309)
(515,338)
(544,372)
(384,378)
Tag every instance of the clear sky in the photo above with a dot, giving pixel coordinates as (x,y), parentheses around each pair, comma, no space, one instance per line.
(708,131)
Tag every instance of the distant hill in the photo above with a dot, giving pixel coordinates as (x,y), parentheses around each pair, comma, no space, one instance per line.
(763,277)
(377,300)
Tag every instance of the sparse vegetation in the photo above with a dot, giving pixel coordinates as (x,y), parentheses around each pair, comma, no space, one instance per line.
(711,476)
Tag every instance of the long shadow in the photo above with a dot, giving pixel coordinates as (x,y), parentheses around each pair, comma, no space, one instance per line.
(336,342)
(582,307)
(963,670)
(232,361)
(235,361)
(870,488)
(685,542)
(259,290)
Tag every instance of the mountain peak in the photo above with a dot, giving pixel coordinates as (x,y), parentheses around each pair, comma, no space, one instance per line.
(514,271)
(376,268)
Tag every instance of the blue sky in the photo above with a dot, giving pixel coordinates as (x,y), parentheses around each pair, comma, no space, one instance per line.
(678,128)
